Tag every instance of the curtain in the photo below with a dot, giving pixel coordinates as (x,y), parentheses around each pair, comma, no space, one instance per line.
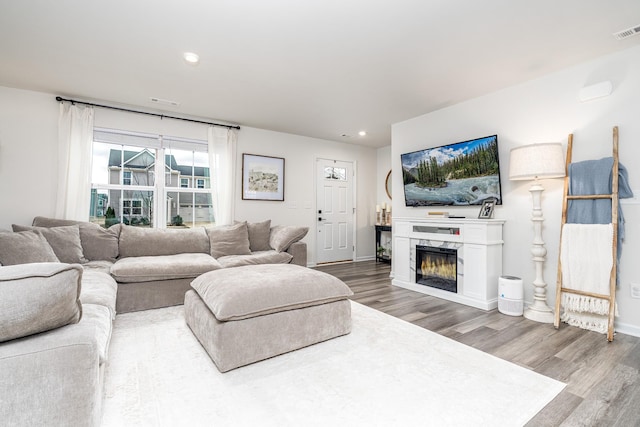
(75,136)
(222,160)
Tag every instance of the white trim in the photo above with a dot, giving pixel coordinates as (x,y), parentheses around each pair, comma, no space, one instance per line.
(627,329)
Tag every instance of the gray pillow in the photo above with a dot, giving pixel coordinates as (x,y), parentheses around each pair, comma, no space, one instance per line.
(140,241)
(65,241)
(25,247)
(38,298)
(98,244)
(229,240)
(259,233)
(284,236)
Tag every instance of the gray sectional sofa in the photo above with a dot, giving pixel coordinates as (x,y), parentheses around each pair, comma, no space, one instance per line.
(62,283)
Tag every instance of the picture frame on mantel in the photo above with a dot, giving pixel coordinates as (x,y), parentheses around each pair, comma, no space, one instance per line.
(486,210)
(262,177)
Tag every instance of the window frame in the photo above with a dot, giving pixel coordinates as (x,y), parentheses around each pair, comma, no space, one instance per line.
(159,146)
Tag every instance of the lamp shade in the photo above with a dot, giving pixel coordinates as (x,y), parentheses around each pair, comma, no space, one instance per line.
(537,161)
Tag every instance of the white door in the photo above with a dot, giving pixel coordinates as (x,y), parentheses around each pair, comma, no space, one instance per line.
(334,219)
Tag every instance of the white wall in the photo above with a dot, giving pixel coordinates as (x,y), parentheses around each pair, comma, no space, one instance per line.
(384,166)
(545,110)
(28,153)
(299,207)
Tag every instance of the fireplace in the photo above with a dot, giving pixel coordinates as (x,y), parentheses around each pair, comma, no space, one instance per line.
(437,267)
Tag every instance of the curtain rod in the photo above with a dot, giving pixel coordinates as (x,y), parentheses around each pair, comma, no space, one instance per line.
(162,116)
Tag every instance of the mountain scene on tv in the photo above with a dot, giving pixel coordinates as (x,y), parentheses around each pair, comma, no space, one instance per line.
(466,173)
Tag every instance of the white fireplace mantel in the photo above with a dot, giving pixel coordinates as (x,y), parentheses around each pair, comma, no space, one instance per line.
(479,251)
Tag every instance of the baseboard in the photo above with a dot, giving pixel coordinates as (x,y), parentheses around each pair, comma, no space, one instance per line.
(625,328)
(365,258)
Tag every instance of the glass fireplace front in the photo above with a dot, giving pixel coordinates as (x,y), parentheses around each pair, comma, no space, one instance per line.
(437,267)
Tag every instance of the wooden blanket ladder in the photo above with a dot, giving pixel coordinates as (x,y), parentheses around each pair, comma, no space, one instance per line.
(614,247)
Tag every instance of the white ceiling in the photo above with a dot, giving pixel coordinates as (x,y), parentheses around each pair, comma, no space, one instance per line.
(319,68)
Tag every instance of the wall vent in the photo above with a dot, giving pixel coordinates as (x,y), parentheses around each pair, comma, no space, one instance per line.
(621,35)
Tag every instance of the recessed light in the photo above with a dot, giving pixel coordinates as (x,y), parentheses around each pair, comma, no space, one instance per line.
(362,133)
(191,58)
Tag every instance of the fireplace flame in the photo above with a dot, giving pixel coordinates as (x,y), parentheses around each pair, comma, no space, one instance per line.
(438,268)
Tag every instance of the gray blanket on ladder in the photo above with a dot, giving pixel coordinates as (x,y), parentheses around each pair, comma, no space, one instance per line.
(594,177)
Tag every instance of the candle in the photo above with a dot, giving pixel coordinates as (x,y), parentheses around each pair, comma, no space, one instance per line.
(377,208)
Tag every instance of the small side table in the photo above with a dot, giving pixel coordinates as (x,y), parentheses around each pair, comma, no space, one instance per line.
(381,256)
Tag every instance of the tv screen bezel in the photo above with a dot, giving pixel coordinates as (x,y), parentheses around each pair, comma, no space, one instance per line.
(478,202)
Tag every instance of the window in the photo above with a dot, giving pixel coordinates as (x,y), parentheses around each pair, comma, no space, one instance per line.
(335,173)
(135,189)
(132,207)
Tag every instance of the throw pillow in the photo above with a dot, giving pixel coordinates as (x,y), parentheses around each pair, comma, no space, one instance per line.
(25,247)
(98,244)
(229,240)
(284,236)
(38,298)
(259,233)
(65,241)
(141,241)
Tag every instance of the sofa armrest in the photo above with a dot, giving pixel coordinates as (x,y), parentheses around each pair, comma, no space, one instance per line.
(299,252)
(52,378)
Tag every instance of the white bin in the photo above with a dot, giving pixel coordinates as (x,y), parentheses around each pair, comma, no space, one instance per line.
(510,295)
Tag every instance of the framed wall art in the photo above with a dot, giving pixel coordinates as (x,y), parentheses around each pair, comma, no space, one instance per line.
(262,177)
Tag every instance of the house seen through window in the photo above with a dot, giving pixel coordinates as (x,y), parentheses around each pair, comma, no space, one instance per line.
(130,186)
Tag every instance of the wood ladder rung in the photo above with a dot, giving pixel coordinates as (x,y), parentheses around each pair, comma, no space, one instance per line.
(590,196)
(588,294)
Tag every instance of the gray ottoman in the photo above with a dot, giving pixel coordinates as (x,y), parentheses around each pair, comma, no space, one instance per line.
(246,314)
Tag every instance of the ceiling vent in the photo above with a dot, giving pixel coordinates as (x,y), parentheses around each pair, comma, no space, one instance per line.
(624,34)
(165,101)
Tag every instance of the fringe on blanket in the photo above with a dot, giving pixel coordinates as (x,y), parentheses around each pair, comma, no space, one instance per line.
(586,312)
(592,322)
(585,304)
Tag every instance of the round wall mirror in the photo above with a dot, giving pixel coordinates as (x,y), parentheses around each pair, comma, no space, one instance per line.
(387,185)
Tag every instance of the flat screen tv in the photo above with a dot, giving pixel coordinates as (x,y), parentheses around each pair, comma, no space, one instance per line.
(460,174)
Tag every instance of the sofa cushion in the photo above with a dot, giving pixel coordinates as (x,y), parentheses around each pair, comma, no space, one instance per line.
(139,241)
(99,288)
(97,243)
(256,290)
(65,241)
(25,247)
(98,317)
(260,257)
(229,240)
(38,297)
(283,236)
(162,267)
(259,233)
(101,266)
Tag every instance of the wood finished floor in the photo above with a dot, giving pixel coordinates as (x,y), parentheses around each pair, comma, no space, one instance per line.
(603,380)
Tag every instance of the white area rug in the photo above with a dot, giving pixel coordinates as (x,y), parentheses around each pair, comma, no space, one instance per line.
(387,372)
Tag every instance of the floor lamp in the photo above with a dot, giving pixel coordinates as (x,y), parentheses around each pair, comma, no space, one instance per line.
(533,162)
